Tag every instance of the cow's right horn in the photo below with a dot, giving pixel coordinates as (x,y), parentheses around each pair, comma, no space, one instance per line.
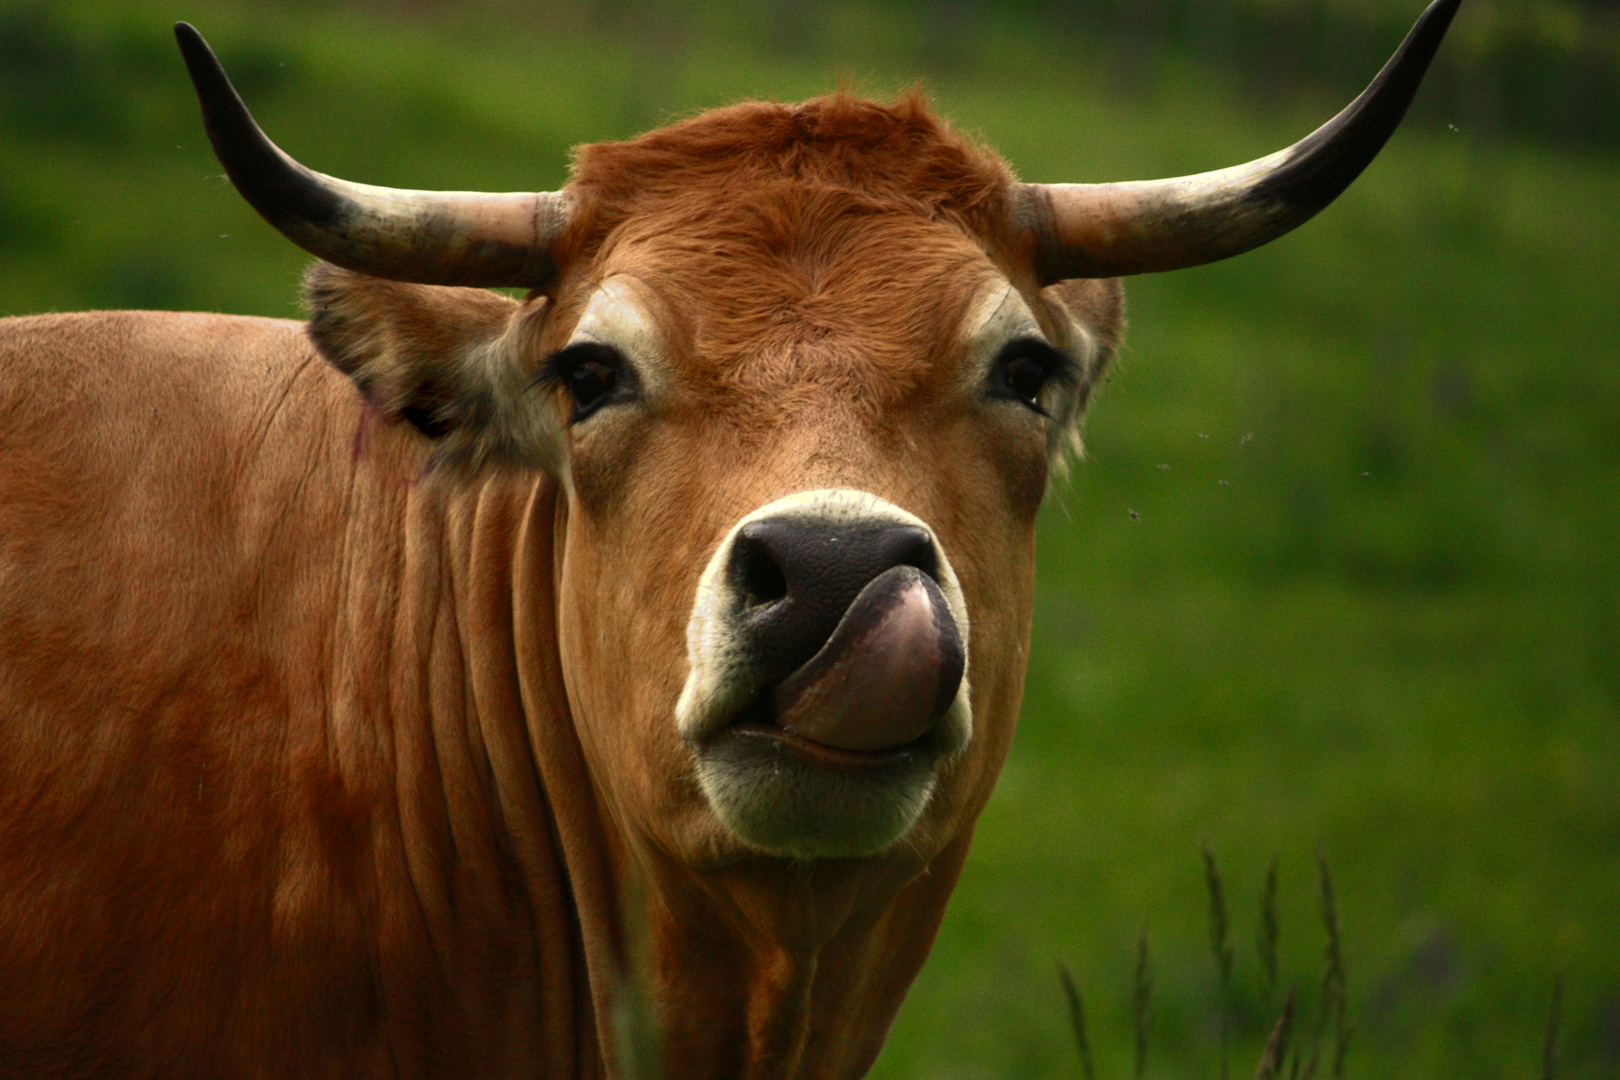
(431,237)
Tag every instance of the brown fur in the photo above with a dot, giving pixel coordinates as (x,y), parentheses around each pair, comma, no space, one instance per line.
(311,767)
(884,157)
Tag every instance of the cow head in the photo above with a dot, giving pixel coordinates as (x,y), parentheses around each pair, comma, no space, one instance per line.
(803,375)
(802,436)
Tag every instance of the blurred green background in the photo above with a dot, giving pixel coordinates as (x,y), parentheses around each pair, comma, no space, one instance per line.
(1342,570)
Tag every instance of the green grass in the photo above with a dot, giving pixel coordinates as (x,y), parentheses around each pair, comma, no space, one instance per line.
(1368,602)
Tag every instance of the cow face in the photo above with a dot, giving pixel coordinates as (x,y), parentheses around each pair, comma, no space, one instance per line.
(801,439)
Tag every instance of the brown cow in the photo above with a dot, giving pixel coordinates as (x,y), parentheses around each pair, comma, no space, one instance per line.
(612,682)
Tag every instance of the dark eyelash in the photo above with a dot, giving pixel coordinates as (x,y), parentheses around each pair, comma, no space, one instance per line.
(1064,370)
(552,373)
(557,374)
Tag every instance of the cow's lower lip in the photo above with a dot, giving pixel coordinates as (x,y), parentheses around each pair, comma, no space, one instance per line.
(821,756)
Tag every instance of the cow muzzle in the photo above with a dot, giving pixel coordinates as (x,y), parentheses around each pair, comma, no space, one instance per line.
(829,674)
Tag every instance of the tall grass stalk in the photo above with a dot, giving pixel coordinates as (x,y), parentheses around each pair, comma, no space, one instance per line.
(1267,935)
(1141,997)
(1335,973)
(1077,1021)
(1277,1045)
(1333,1006)
(1221,946)
(1549,1047)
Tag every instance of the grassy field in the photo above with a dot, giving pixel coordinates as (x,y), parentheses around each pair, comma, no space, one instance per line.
(1341,572)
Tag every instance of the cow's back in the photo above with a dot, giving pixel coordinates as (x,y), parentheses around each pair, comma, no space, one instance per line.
(172,504)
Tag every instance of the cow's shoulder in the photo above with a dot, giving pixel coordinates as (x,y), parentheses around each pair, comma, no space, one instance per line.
(106,363)
(160,475)
(171,407)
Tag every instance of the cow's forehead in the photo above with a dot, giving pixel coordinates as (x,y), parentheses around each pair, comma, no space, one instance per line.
(725,289)
(667,333)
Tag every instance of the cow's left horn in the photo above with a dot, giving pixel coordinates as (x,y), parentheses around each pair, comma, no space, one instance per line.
(1107,230)
(432,237)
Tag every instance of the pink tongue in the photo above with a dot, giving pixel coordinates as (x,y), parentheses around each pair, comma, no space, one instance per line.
(885,676)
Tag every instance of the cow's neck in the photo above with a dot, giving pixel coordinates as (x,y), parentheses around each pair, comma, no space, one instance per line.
(765,969)
(771,969)
(477,955)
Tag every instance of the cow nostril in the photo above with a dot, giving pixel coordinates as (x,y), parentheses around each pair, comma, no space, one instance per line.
(922,557)
(793,578)
(762,580)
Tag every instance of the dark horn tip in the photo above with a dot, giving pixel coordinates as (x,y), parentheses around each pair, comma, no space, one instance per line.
(226,118)
(193,47)
(1432,25)
(1240,208)
(1326,162)
(207,74)
(280,189)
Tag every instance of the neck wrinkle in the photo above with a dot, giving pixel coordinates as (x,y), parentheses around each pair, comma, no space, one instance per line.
(492,530)
(586,852)
(479,955)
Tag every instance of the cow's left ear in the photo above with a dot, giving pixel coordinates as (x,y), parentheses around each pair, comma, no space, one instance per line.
(1086,317)
(452,362)
(1090,315)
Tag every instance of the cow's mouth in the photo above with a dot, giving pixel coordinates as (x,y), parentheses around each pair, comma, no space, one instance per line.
(875,692)
(829,675)
(781,746)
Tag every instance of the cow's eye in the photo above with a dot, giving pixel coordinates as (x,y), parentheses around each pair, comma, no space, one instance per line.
(592,375)
(1025,367)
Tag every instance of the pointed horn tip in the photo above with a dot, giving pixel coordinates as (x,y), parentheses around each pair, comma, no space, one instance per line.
(1440,11)
(1314,172)
(197,53)
(1430,28)
(188,37)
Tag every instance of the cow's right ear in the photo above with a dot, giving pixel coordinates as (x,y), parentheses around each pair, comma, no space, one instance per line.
(454,363)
